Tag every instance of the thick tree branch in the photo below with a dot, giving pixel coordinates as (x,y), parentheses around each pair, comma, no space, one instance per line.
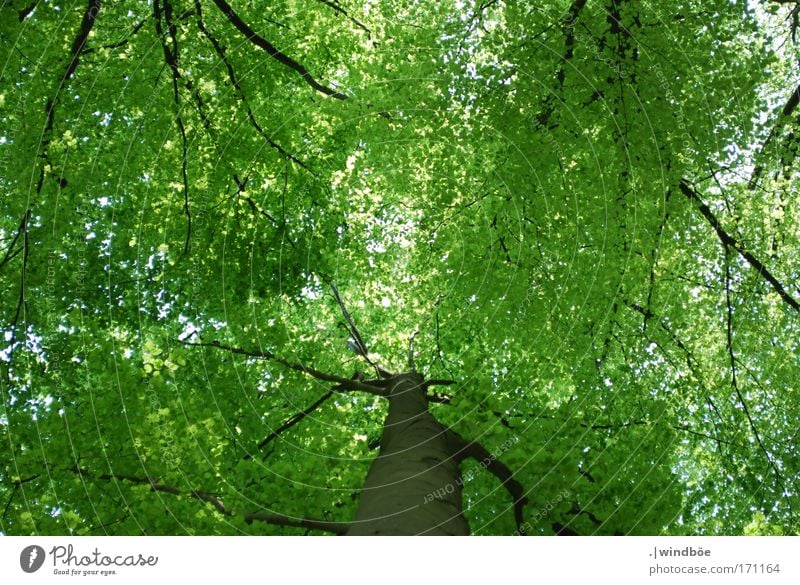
(788,109)
(273,52)
(78,45)
(729,240)
(734,378)
(23,14)
(83,35)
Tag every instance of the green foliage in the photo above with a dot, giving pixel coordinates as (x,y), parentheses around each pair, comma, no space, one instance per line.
(502,178)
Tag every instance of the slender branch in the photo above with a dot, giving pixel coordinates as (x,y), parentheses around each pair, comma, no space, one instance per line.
(273,52)
(10,499)
(729,240)
(439,351)
(171,56)
(201,495)
(15,485)
(411,351)
(692,363)
(10,253)
(335,6)
(345,384)
(355,334)
(361,347)
(21,299)
(217,503)
(788,109)
(23,14)
(611,427)
(87,22)
(293,421)
(500,470)
(734,379)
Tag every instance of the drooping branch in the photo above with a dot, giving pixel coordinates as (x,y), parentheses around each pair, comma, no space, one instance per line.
(273,52)
(358,344)
(728,240)
(342,384)
(786,112)
(217,503)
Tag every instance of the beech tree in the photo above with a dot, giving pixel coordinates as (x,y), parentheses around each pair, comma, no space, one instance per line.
(387,267)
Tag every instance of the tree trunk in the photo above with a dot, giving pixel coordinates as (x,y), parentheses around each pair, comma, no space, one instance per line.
(414,485)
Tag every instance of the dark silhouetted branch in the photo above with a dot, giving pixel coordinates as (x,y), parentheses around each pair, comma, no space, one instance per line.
(788,109)
(293,421)
(500,470)
(729,240)
(335,6)
(217,503)
(223,55)
(344,384)
(358,342)
(273,52)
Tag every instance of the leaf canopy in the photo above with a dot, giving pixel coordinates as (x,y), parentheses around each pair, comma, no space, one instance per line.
(564,201)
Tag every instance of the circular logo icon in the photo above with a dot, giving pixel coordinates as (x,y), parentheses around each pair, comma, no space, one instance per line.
(31,558)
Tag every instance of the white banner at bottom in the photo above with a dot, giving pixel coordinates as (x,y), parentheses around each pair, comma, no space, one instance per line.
(657,560)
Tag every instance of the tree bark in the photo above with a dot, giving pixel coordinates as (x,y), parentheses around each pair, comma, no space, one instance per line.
(414,485)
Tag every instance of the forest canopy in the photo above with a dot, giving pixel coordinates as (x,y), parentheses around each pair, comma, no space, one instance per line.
(227,228)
